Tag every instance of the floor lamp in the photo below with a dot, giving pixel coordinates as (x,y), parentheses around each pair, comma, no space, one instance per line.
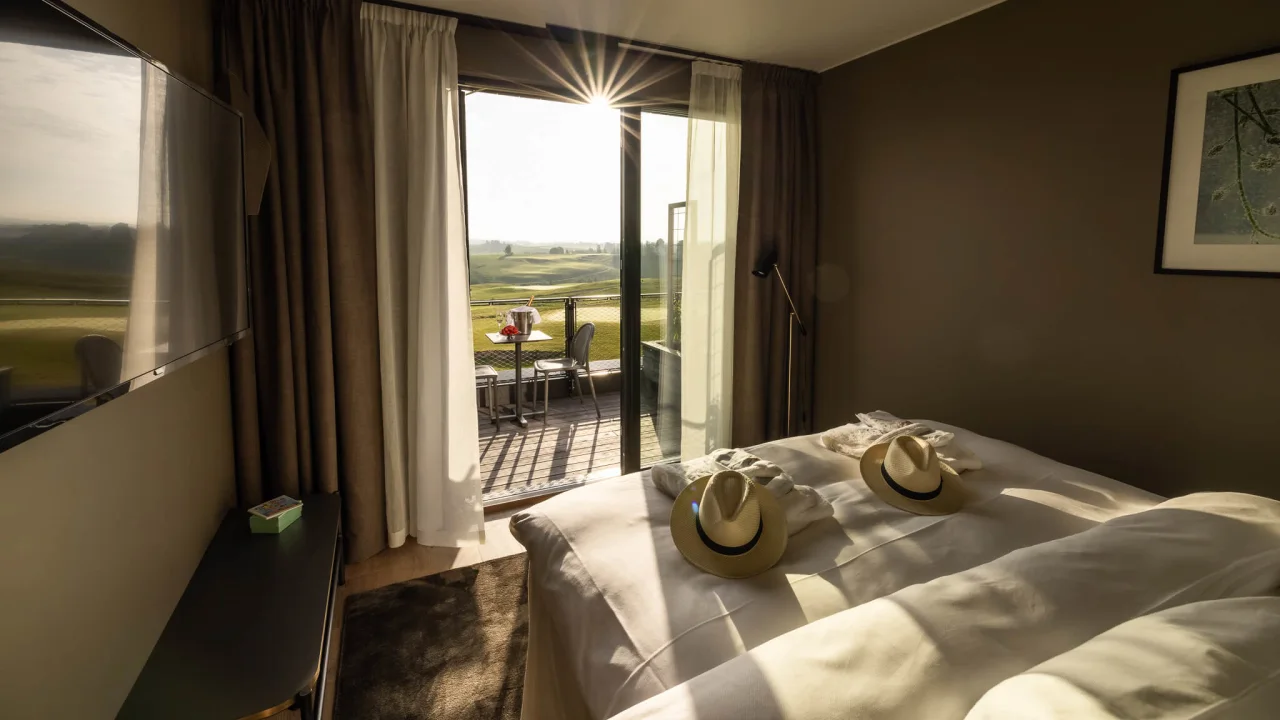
(768,263)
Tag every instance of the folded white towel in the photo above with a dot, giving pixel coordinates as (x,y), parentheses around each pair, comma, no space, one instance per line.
(801,503)
(881,427)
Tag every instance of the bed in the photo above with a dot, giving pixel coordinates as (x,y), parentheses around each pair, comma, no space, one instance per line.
(618,618)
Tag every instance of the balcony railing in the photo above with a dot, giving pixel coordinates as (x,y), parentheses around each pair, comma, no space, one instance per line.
(561,316)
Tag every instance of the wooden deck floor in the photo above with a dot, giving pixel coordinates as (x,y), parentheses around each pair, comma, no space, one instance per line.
(573,447)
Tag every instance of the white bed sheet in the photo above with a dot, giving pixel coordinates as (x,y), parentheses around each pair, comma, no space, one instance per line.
(1217,659)
(931,651)
(618,616)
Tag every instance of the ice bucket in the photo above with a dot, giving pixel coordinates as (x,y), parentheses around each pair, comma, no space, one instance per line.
(522,318)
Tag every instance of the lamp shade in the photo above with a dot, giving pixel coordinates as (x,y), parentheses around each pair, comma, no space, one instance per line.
(764,265)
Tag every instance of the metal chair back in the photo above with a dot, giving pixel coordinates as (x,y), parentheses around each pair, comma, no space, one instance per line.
(580,350)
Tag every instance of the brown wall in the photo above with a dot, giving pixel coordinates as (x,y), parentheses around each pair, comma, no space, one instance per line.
(990,198)
(104,519)
(178,33)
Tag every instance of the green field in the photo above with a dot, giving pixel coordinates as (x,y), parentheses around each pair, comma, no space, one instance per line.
(38,341)
(515,278)
(19,280)
(547,273)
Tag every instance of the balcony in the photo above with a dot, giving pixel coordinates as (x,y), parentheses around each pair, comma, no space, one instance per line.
(572,446)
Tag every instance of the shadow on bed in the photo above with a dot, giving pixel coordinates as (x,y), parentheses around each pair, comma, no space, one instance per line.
(933,649)
(896,563)
(1005,617)
(867,551)
(716,640)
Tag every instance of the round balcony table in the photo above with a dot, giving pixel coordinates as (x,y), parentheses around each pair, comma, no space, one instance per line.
(519,415)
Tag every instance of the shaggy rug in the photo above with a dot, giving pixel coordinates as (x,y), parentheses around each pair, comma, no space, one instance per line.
(447,647)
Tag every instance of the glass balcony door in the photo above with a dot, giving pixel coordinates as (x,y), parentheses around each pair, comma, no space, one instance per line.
(543,206)
(663,172)
(560,219)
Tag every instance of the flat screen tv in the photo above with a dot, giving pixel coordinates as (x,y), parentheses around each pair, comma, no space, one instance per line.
(121,219)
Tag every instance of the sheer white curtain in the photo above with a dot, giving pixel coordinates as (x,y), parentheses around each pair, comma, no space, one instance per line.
(142,339)
(424,319)
(706,305)
(172,308)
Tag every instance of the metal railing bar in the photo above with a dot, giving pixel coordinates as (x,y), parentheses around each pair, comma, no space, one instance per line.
(61,301)
(562,298)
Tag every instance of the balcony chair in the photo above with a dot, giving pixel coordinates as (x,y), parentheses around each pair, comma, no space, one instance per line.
(487,378)
(579,359)
(100,359)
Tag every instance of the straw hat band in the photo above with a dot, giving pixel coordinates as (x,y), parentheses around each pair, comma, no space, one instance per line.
(922,496)
(724,549)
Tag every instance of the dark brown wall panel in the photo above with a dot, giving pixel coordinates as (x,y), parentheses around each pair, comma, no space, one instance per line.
(990,200)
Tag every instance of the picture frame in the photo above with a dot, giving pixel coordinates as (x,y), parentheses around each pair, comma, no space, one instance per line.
(1220,194)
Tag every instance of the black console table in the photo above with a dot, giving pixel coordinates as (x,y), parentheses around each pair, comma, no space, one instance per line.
(250,636)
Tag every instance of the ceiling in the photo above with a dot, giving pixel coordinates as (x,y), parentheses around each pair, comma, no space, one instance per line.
(810,34)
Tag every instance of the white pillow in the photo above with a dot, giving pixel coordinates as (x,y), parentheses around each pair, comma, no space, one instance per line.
(1215,659)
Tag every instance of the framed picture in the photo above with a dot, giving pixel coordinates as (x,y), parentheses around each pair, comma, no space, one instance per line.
(1220,208)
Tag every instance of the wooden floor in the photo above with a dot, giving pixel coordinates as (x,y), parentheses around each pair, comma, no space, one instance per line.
(571,448)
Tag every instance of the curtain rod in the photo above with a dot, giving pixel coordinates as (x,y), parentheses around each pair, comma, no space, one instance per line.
(558,33)
(655,49)
(511,28)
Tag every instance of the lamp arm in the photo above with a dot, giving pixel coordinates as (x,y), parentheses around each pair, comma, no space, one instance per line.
(790,302)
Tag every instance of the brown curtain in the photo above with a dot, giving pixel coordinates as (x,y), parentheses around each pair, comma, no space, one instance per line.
(777,209)
(306,389)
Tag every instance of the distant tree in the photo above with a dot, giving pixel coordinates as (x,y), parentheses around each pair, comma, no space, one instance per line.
(650,260)
(121,232)
(556,251)
(508,251)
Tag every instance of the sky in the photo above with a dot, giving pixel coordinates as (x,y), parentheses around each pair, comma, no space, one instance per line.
(539,171)
(548,172)
(70,122)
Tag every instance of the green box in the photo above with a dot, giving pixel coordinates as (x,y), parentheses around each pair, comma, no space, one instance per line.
(277,523)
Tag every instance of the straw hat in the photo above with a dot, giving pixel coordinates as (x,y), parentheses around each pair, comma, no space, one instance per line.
(907,474)
(728,525)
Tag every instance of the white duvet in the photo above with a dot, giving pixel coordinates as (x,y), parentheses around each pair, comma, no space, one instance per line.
(617,616)
(933,650)
(1217,659)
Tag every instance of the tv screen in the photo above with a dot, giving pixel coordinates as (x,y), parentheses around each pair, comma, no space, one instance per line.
(121,219)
